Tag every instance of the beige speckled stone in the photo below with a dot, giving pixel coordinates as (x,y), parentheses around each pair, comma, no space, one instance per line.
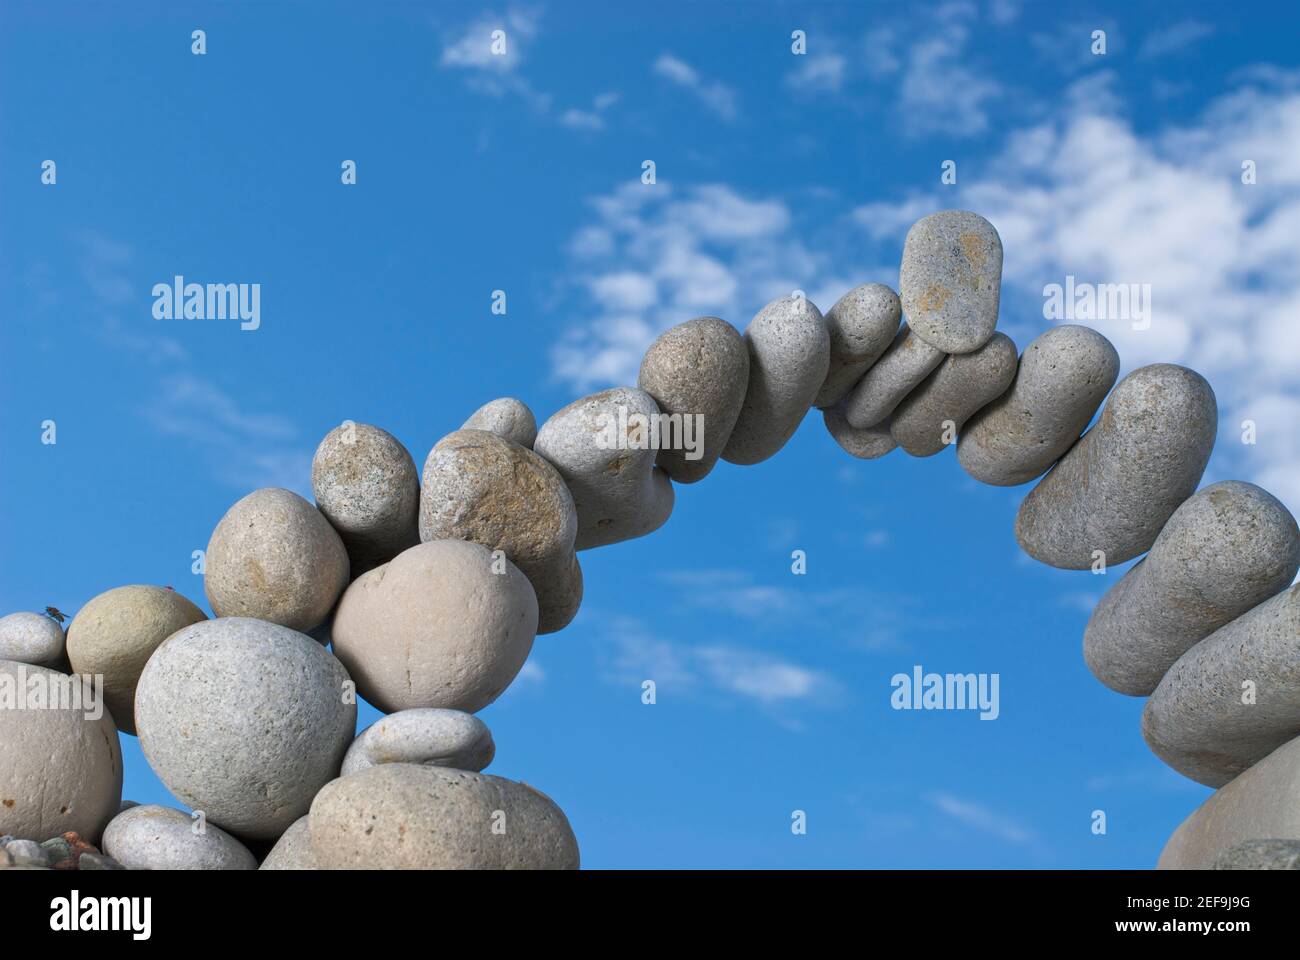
(275,557)
(293,850)
(399,816)
(1062,378)
(436,627)
(1227,548)
(32,638)
(443,738)
(861,325)
(958,387)
(486,489)
(506,417)
(604,447)
(789,354)
(882,388)
(60,770)
(1196,721)
(1260,855)
(366,485)
(950,280)
(869,444)
(117,632)
(153,837)
(1118,485)
(1259,803)
(700,367)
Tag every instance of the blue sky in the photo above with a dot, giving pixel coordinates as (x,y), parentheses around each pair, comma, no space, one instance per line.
(774,172)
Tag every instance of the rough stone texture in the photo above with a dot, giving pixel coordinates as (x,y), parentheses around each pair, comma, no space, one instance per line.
(61,770)
(1126,476)
(604,446)
(1226,549)
(789,355)
(27,853)
(506,417)
(958,387)
(1063,376)
(861,325)
(400,816)
(97,861)
(153,837)
(1259,803)
(869,444)
(1260,855)
(115,634)
(366,485)
(882,388)
(950,280)
(437,626)
(244,720)
(275,557)
(293,850)
(442,738)
(697,367)
(32,638)
(1196,721)
(489,490)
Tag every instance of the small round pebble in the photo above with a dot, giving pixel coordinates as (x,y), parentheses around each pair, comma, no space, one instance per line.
(443,738)
(97,861)
(62,767)
(605,447)
(861,325)
(153,837)
(244,720)
(489,490)
(1062,378)
(437,626)
(789,354)
(931,416)
(31,638)
(697,369)
(116,633)
(506,417)
(366,485)
(882,388)
(27,853)
(950,280)
(1116,488)
(869,444)
(275,557)
(1228,548)
(400,816)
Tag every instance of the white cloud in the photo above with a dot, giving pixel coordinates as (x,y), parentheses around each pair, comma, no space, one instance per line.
(819,73)
(981,818)
(714,94)
(1173,39)
(470,51)
(940,92)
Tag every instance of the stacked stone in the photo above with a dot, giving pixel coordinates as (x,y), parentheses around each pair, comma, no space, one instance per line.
(431,588)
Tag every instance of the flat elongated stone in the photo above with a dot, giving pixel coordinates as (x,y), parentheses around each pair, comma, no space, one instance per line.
(1126,476)
(275,557)
(436,626)
(486,489)
(1259,803)
(862,325)
(1196,720)
(366,485)
(958,387)
(789,354)
(605,447)
(116,633)
(882,388)
(153,837)
(698,368)
(869,444)
(1062,378)
(244,720)
(1228,548)
(399,816)
(950,280)
(506,417)
(441,738)
(1260,855)
(32,638)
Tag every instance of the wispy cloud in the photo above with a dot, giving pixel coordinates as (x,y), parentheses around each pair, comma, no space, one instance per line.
(819,72)
(981,818)
(1174,39)
(490,65)
(713,94)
